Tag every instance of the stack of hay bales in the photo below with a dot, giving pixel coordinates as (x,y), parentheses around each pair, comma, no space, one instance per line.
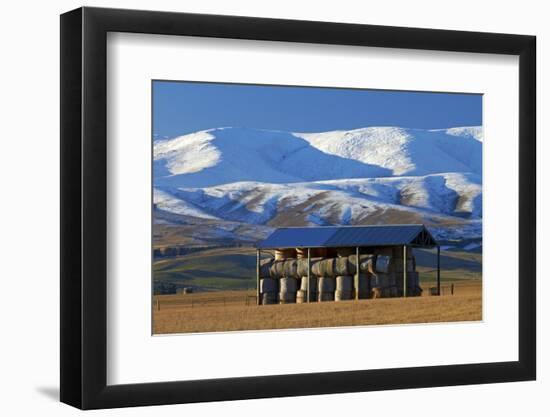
(326,283)
(284,278)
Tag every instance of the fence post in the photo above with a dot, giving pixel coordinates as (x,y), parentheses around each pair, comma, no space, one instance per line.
(452,289)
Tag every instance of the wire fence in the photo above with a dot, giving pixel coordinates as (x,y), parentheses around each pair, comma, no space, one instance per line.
(192,301)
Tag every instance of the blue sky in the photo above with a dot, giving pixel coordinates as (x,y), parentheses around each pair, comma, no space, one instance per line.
(184,107)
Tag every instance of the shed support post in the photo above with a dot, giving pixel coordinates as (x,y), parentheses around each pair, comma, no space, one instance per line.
(258,301)
(357,273)
(404,270)
(308,292)
(438,270)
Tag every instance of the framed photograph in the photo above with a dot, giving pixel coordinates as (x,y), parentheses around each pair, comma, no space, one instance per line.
(258,208)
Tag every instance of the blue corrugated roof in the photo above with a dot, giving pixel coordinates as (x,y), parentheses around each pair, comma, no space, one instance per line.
(345,236)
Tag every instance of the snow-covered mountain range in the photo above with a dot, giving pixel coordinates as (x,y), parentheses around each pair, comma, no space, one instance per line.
(364,176)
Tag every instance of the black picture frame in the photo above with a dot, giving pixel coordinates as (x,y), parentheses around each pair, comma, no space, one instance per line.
(84,207)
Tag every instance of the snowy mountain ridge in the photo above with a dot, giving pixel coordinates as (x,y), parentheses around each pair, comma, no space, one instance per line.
(362,176)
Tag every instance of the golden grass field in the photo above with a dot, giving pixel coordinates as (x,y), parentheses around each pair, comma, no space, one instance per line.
(236,310)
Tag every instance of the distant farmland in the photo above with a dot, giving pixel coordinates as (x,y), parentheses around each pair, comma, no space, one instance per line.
(235,268)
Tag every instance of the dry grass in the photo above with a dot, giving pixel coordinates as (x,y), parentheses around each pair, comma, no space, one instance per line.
(228,311)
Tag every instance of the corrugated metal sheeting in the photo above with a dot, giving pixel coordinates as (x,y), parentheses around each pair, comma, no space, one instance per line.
(347,236)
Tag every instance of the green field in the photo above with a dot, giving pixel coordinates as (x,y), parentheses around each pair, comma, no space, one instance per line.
(235,268)
(210,270)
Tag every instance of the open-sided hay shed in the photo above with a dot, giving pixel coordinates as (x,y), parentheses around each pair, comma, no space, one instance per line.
(357,249)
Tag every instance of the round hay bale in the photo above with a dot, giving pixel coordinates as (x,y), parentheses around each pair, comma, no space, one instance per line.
(290,268)
(325,296)
(391,280)
(383,280)
(313,283)
(287,297)
(270,298)
(269,285)
(324,268)
(265,268)
(288,285)
(302,266)
(282,254)
(325,284)
(301,296)
(344,283)
(342,295)
(341,266)
(276,270)
(301,253)
(367,263)
(383,264)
